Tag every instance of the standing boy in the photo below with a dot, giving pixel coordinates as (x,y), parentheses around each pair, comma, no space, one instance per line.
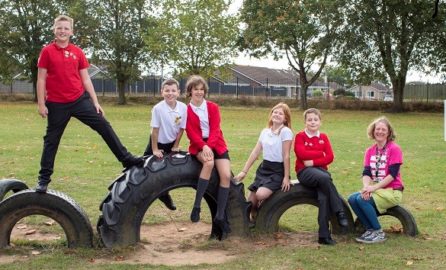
(168,124)
(64,89)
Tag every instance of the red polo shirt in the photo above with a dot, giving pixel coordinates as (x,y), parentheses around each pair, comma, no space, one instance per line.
(63,81)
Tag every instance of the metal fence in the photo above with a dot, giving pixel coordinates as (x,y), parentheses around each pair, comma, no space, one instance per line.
(151,87)
(425,93)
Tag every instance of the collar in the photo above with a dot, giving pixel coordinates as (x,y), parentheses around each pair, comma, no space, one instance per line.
(60,48)
(202,107)
(170,108)
(318,134)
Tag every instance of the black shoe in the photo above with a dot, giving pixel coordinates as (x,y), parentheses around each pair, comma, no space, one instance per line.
(342,219)
(195,215)
(326,241)
(168,202)
(41,187)
(131,161)
(222,228)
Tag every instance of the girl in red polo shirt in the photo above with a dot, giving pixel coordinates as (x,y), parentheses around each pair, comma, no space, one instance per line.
(209,147)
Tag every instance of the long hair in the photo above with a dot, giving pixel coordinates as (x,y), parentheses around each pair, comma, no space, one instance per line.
(286,111)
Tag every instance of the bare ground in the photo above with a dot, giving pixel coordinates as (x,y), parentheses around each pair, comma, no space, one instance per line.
(173,244)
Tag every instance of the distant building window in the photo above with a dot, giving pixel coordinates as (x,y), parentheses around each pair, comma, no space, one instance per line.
(371,94)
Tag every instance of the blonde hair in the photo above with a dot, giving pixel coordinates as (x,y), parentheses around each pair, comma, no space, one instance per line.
(286,111)
(384,120)
(194,81)
(314,111)
(63,18)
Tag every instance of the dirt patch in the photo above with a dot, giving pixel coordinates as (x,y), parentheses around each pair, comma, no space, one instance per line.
(172,244)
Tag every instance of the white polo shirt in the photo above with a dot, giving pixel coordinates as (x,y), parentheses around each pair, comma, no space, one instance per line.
(168,120)
(202,113)
(272,143)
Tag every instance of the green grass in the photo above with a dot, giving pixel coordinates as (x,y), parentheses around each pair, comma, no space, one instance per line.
(85,167)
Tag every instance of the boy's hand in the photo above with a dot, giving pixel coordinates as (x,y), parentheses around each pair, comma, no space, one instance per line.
(158,153)
(99,109)
(43,110)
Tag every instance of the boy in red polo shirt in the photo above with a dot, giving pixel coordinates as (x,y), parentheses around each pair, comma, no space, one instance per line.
(64,89)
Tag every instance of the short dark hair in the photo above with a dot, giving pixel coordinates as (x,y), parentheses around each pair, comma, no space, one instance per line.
(170,81)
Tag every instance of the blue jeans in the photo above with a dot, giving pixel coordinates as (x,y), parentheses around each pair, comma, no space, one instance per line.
(365,210)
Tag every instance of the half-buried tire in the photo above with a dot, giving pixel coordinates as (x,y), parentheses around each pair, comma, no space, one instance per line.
(53,204)
(7,185)
(402,214)
(273,208)
(132,193)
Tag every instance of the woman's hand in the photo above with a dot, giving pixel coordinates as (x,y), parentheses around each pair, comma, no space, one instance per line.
(366,192)
(286,184)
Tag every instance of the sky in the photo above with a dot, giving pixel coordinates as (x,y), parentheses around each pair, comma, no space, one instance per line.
(244,59)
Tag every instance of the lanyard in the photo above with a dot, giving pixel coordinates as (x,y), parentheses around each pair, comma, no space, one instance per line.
(379,161)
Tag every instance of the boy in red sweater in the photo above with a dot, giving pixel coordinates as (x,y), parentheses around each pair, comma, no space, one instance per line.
(64,89)
(313,155)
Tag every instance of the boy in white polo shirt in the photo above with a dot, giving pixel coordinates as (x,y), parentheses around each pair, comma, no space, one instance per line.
(168,124)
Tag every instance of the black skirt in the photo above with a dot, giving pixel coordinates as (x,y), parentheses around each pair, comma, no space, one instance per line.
(269,175)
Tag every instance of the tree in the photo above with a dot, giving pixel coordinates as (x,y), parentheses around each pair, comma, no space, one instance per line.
(386,38)
(119,44)
(304,31)
(25,27)
(195,36)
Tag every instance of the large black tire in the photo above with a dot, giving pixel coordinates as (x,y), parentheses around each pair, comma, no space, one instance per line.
(402,214)
(7,185)
(273,208)
(136,189)
(53,204)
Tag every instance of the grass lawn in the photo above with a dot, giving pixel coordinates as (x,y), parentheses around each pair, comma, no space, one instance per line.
(85,167)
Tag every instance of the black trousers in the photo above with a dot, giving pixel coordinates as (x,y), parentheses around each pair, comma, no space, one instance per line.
(327,195)
(166,147)
(59,114)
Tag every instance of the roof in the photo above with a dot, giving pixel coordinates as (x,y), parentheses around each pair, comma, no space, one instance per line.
(262,76)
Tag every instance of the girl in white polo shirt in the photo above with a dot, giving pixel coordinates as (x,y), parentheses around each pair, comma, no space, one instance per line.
(274,172)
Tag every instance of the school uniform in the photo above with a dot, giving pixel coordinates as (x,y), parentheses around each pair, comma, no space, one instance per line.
(203,128)
(66,98)
(169,122)
(318,149)
(270,172)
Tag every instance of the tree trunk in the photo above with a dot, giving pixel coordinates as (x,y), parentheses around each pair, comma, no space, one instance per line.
(121,92)
(398,93)
(34,70)
(303,96)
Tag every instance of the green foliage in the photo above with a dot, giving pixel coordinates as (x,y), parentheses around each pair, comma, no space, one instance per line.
(118,38)
(303,31)
(386,38)
(25,27)
(317,93)
(196,36)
